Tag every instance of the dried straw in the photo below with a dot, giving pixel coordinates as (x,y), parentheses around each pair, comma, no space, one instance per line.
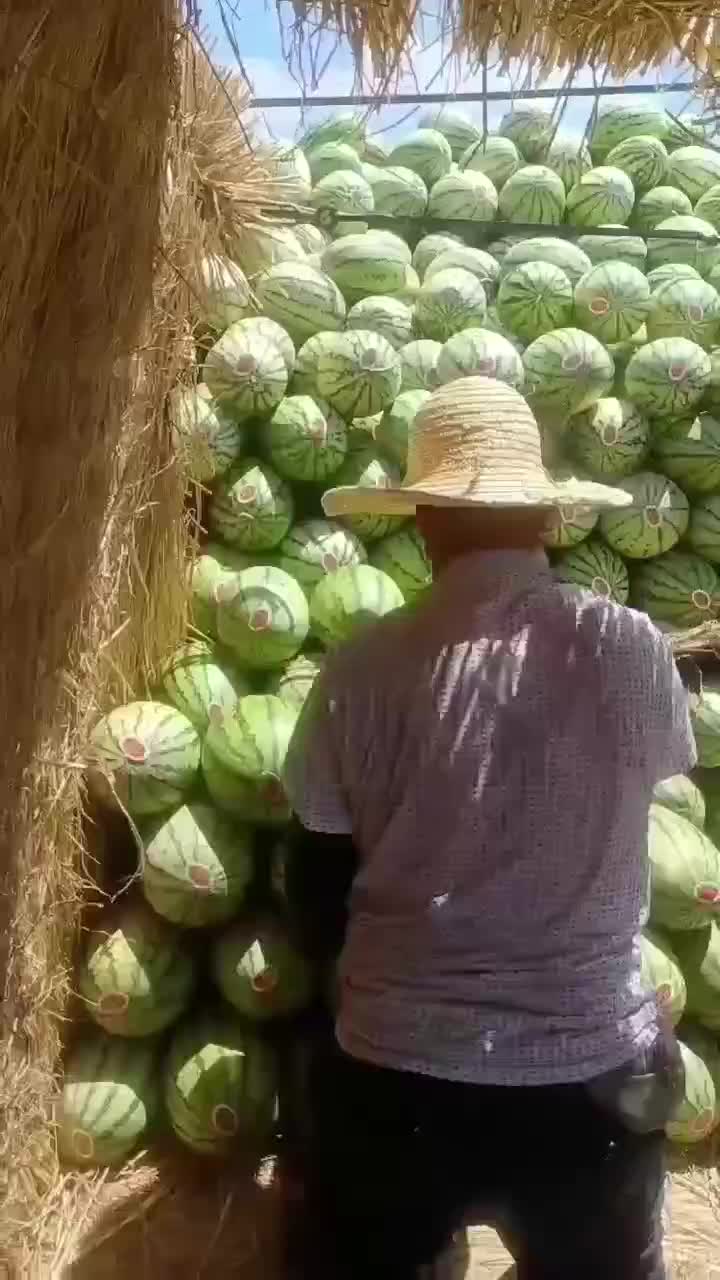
(104,504)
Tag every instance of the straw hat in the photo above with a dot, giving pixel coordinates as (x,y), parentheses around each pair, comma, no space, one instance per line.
(474,443)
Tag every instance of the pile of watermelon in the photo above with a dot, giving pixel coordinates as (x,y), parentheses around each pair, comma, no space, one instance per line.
(319,343)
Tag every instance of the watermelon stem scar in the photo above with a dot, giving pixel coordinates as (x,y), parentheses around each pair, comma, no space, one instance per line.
(701,599)
(260,620)
(599,307)
(708,894)
(600,586)
(609,435)
(652,517)
(83,1145)
(677,372)
(224,1119)
(199,877)
(134,750)
(115,1002)
(266,982)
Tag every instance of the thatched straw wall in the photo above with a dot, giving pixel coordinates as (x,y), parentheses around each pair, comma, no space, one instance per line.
(121,161)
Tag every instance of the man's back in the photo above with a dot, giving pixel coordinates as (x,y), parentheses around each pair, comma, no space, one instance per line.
(493,753)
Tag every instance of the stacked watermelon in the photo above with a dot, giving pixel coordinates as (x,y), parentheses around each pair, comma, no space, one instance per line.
(319,344)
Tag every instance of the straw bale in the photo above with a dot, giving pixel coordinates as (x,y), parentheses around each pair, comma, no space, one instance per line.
(615,37)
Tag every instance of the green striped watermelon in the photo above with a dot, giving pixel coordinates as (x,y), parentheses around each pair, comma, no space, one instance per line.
(245,372)
(667,377)
(533,194)
(612,301)
(653,524)
(484,352)
(136,977)
(304,378)
(595,567)
(343,191)
(329,158)
(694,170)
(263,327)
(461,132)
(215,563)
(684,871)
(220,1085)
(359,268)
(533,299)
(671,272)
(301,299)
(365,467)
(620,120)
(345,601)
(419,365)
(678,588)
(498,158)
(359,373)
(196,866)
(208,440)
(601,196)
(569,159)
(698,951)
(468,195)
(251,508)
(683,796)
(567,370)
(316,547)
(146,754)
(696,1115)
(708,206)
(402,556)
(202,684)
(426,152)
(448,302)
(480,264)
(569,524)
(685,309)
(243,759)
(430,247)
(388,316)
(399,193)
(109,1099)
(559,253)
(343,126)
(260,971)
(305,439)
(262,616)
(628,249)
(689,452)
(226,294)
(312,239)
(643,158)
(293,683)
(706,727)
(610,439)
(261,247)
(530,127)
(662,975)
(693,248)
(391,433)
(704,528)
(655,206)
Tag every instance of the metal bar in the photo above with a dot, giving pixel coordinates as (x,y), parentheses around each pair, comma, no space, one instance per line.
(494,95)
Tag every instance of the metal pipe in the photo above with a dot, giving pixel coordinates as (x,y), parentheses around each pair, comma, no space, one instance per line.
(494,95)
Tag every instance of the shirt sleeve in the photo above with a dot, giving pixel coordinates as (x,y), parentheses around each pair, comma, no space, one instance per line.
(674,742)
(312,773)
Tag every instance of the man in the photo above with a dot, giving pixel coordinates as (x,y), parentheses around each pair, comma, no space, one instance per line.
(488,758)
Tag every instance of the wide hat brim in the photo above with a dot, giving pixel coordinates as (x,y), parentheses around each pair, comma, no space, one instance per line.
(495,494)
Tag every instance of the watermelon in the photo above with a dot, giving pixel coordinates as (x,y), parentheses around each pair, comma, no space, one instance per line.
(359,373)
(498,158)
(683,796)
(262,247)
(698,951)
(358,267)
(643,158)
(146,755)
(706,727)
(365,467)
(689,452)
(457,127)
(251,508)
(343,191)
(620,120)
(226,294)
(260,971)
(201,683)
(533,299)
(484,352)
(347,600)
(301,299)
(109,1099)
(304,378)
(216,562)
(653,524)
(402,556)
(476,261)
(426,152)
(655,206)
(448,302)
(685,309)
(568,525)
(679,589)
(391,433)
(305,439)
(419,365)
(671,272)
(708,207)
(530,127)
(290,166)
(628,249)
(262,616)
(246,372)
(135,977)
(293,682)
(612,301)
(558,253)
(685,872)
(693,247)
(343,126)
(661,974)
(430,247)
(594,567)
(262,327)
(208,440)
(196,866)
(469,196)
(694,128)
(312,239)
(330,158)
(693,170)
(533,194)
(703,532)
(315,547)
(243,759)
(387,316)
(601,196)
(567,370)
(667,377)
(500,248)
(220,1085)
(696,1115)
(610,439)
(399,193)
(569,159)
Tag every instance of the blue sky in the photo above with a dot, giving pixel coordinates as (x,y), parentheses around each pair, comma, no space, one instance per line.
(258,37)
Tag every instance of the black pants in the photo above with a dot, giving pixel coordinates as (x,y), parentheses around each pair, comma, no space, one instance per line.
(396,1161)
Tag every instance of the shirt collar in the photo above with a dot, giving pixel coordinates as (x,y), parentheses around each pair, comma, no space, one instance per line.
(492,571)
